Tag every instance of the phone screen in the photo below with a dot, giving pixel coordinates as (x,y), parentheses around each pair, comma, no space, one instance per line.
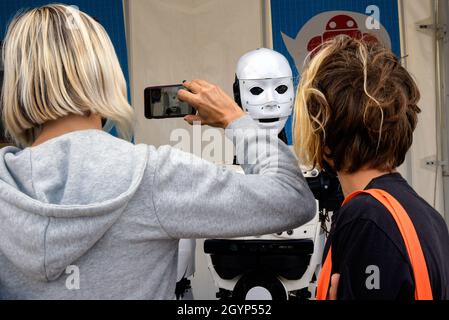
(162,102)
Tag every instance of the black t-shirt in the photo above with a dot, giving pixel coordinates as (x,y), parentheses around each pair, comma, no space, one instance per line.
(368,250)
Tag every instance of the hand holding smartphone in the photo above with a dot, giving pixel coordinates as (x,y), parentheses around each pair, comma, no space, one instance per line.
(162,102)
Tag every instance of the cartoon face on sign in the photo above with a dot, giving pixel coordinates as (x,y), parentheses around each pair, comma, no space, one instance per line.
(328,25)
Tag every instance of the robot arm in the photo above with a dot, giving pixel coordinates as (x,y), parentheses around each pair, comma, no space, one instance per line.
(186,268)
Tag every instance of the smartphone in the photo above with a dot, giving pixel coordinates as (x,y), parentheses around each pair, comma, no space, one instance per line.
(162,102)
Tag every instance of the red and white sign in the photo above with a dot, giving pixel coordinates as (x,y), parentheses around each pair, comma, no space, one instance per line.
(328,25)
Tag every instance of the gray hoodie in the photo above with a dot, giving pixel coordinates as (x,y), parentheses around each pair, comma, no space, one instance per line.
(89,216)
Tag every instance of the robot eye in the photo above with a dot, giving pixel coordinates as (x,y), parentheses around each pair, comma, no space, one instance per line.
(282,89)
(256,91)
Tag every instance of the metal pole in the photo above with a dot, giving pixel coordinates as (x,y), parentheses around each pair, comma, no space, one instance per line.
(267,31)
(408,165)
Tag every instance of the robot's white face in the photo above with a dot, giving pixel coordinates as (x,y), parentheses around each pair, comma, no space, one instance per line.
(266,87)
(169,97)
(268,101)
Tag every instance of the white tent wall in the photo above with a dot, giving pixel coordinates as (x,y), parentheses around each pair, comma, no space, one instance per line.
(420,60)
(174,40)
(443,21)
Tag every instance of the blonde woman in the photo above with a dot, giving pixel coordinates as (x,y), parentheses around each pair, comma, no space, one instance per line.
(356,111)
(84,215)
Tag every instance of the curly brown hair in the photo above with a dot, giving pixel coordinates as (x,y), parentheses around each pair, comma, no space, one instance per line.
(356,106)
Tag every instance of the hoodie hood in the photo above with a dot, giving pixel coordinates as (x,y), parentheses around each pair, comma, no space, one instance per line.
(58,199)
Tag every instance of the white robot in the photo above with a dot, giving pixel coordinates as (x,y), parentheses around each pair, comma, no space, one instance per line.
(277,266)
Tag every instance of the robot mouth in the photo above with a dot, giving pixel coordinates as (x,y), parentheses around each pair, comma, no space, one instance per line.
(269,120)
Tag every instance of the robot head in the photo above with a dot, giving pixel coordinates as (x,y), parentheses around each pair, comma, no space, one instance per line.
(170,98)
(264,87)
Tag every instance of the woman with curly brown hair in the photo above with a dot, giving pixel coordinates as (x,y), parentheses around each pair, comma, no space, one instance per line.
(356,111)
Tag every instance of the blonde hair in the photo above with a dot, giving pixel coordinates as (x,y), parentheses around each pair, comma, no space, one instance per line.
(58,61)
(356,105)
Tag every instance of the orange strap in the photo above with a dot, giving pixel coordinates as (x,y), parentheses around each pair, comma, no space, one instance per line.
(423,290)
